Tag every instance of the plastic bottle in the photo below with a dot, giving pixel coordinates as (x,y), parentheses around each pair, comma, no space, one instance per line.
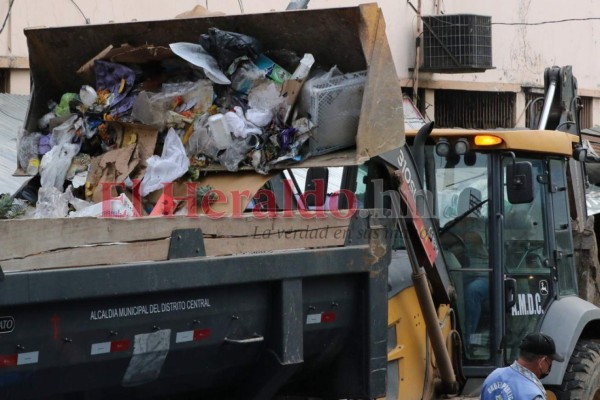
(303,69)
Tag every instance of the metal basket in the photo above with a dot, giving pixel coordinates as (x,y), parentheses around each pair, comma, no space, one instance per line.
(333,105)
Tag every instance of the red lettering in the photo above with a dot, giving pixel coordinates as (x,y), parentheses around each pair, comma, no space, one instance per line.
(288,198)
(237,196)
(209,199)
(107,195)
(137,196)
(267,208)
(352,203)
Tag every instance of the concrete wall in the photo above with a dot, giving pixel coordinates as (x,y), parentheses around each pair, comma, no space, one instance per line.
(520,52)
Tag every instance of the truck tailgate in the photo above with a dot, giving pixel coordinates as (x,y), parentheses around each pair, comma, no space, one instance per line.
(222,325)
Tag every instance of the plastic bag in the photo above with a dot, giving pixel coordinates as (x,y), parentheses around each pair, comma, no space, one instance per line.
(63,108)
(226,46)
(44,122)
(238,125)
(55,163)
(152,108)
(220,130)
(246,76)
(260,118)
(196,55)
(200,142)
(44,145)
(88,95)
(119,80)
(237,152)
(172,164)
(27,153)
(52,202)
(65,132)
(265,96)
(79,204)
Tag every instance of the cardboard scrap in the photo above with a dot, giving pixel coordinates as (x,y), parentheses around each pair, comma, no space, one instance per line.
(116,165)
(125,54)
(238,190)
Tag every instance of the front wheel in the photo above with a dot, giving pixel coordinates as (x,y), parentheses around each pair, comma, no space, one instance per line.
(582,378)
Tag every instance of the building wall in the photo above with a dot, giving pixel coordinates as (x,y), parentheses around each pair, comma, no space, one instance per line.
(520,52)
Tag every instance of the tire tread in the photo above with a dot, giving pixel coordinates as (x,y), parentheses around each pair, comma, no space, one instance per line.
(584,361)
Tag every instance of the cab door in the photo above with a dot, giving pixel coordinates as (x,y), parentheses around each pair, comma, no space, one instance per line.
(527,256)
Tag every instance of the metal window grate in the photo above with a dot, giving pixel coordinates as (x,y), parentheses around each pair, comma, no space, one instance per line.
(474,110)
(585,117)
(534,103)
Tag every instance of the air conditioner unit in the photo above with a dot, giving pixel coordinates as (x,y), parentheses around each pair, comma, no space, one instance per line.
(457,43)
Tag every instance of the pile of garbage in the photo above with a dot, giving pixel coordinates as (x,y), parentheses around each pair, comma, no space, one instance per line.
(153,114)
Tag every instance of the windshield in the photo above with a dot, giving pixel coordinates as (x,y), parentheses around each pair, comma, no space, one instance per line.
(460,184)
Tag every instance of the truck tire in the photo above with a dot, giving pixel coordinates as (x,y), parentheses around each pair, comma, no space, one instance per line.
(582,378)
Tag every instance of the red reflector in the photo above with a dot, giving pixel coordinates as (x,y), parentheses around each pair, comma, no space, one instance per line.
(119,345)
(328,316)
(200,334)
(8,360)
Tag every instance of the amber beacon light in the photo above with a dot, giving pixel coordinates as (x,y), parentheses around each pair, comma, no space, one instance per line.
(487,140)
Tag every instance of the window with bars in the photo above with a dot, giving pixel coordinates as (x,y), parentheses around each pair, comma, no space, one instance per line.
(533,103)
(585,116)
(474,110)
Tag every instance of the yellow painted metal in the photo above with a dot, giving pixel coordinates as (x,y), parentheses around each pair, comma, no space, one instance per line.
(551,142)
(416,363)
(404,314)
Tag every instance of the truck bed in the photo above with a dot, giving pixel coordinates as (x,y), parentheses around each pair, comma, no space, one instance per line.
(232,326)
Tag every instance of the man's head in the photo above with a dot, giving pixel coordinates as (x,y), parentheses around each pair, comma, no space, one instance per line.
(537,351)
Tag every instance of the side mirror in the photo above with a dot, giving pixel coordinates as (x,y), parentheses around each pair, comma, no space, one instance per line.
(315,186)
(510,293)
(519,182)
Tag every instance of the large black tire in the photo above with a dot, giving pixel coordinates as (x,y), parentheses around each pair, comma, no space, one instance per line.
(582,378)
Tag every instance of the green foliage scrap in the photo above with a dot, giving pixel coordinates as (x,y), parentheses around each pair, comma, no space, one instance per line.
(9,209)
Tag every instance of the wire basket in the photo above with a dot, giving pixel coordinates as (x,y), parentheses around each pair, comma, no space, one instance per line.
(333,105)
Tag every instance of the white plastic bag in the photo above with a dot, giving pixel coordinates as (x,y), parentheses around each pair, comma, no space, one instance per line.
(52,202)
(196,55)
(266,96)
(65,132)
(172,164)
(238,125)
(258,117)
(55,163)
